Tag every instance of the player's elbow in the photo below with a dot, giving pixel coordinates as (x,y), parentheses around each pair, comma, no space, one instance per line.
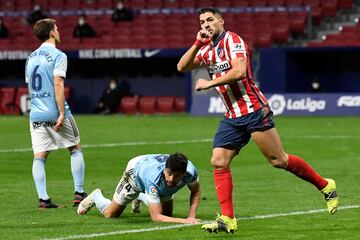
(181,68)
(240,74)
(155,217)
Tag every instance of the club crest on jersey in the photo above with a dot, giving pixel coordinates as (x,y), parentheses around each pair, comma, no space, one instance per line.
(220,52)
(218,67)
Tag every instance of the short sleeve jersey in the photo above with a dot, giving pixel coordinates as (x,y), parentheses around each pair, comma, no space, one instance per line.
(149,177)
(41,66)
(242,97)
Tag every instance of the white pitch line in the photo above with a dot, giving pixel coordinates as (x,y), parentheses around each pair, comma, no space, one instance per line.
(94,235)
(108,145)
(205,140)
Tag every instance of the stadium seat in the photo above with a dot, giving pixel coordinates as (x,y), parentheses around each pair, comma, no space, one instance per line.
(91,5)
(204,3)
(171,4)
(187,4)
(180,104)
(329,8)
(20,91)
(263,40)
(281,32)
(56,5)
(345,4)
(154,4)
(72,4)
(222,3)
(258,3)
(138,4)
(24,5)
(165,104)
(297,22)
(4,44)
(129,105)
(7,104)
(147,105)
(67,93)
(240,3)
(106,4)
(43,3)
(294,3)
(7,5)
(274,3)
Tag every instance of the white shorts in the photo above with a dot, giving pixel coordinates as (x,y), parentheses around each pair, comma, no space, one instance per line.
(44,138)
(126,190)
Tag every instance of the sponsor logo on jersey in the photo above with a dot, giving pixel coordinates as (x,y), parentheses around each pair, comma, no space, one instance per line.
(238,47)
(36,125)
(219,67)
(349,101)
(41,95)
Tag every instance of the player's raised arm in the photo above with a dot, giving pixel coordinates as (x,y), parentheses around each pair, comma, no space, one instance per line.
(189,60)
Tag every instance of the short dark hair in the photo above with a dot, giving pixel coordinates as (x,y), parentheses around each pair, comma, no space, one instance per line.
(43,27)
(209,9)
(177,162)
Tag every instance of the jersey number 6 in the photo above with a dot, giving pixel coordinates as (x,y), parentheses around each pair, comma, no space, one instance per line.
(36,83)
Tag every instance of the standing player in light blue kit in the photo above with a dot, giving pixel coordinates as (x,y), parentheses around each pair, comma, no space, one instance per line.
(154,179)
(52,125)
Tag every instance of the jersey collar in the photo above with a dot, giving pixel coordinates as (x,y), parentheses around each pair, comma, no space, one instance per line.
(46,44)
(222,35)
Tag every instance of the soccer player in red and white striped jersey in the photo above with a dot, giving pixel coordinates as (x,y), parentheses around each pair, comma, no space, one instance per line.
(248,115)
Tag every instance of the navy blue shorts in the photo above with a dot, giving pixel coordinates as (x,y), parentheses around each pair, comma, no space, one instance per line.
(234,133)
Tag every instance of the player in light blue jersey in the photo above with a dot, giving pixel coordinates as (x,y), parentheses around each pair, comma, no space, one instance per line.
(52,125)
(154,179)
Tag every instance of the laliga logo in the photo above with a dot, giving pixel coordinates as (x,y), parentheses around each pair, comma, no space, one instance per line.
(277,104)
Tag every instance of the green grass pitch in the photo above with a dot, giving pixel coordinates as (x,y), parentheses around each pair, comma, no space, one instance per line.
(330,144)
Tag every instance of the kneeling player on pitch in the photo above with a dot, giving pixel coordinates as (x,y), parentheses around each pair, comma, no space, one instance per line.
(153,179)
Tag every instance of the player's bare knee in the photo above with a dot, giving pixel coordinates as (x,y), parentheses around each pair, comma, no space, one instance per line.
(109,214)
(219,162)
(278,162)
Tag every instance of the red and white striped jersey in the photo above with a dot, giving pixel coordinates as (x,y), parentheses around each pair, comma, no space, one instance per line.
(241,97)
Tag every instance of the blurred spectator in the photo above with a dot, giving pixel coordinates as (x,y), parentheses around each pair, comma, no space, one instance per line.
(36,15)
(3,29)
(83,29)
(121,13)
(111,97)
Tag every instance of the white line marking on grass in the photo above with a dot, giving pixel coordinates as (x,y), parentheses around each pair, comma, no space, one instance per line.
(205,140)
(108,145)
(93,235)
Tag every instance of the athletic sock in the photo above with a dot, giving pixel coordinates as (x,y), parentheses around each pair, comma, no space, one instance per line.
(38,172)
(78,169)
(101,202)
(224,187)
(300,168)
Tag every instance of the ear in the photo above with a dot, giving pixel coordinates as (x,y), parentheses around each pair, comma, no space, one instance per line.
(51,33)
(221,21)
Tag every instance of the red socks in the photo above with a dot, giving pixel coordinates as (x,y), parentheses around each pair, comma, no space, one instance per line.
(296,165)
(224,187)
(300,168)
